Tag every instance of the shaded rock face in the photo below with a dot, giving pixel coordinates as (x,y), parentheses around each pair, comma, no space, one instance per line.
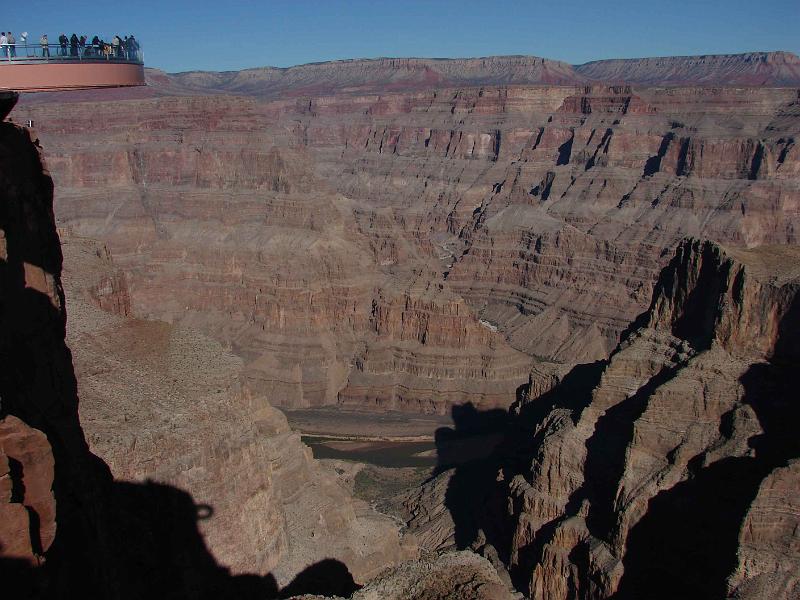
(164,407)
(450,576)
(417,250)
(679,459)
(48,475)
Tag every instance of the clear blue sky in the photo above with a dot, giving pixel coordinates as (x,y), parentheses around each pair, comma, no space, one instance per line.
(233,34)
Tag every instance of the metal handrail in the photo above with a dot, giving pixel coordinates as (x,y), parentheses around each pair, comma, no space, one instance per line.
(30,52)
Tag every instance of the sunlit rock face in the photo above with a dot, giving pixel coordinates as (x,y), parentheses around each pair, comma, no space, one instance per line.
(420,249)
(419,242)
(169,478)
(165,403)
(679,458)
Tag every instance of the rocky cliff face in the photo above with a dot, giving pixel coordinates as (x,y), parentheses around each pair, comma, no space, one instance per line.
(165,403)
(675,461)
(48,475)
(660,472)
(418,250)
(211,491)
(752,68)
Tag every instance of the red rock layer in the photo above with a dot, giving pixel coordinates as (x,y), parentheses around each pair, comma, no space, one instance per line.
(327,240)
(164,406)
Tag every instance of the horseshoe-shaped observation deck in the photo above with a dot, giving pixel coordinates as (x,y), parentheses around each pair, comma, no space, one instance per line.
(31,67)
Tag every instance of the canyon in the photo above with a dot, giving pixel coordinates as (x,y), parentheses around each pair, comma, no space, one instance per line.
(420,250)
(594,266)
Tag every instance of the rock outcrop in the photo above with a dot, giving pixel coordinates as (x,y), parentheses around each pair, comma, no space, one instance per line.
(450,576)
(678,460)
(33,361)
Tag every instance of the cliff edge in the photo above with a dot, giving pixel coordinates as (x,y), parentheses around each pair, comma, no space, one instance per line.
(202,490)
(675,468)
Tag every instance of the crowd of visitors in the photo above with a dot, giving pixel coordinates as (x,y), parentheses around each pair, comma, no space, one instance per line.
(126,48)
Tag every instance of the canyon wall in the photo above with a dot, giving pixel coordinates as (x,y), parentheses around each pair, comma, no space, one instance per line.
(418,250)
(166,403)
(502,246)
(663,471)
(665,479)
(382,75)
(169,478)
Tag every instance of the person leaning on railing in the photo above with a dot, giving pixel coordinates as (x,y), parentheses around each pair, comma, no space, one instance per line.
(133,48)
(73,47)
(116,45)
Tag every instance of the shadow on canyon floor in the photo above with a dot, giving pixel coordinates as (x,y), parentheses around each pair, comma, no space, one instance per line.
(154,549)
(114,539)
(477,494)
(469,447)
(691,528)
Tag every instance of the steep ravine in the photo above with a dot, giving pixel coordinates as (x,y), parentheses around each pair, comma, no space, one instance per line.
(416,251)
(663,471)
(458,251)
(174,480)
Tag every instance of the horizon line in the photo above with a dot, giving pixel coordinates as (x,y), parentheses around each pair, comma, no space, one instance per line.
(457,58)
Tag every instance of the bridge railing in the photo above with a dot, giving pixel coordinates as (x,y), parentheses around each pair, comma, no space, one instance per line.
(30,52)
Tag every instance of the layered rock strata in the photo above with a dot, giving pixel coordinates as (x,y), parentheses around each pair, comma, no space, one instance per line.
(675,455)
(679,459)
(163,405)
(418,250)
